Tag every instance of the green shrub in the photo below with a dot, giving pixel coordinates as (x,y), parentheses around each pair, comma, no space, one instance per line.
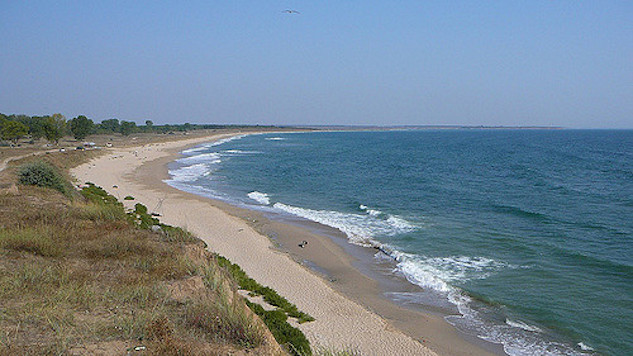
(44,175)
(98,195)
(145,221)
(129,197)
(269,294)
(285,334)
(177,234)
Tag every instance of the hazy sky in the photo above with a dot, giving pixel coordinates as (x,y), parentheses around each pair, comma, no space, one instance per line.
(552,62)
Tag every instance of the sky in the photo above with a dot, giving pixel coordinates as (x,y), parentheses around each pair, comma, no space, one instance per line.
(511,63)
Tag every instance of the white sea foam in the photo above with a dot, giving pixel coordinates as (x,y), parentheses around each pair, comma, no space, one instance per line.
(372,212)
(261,198)
(585,347)
(211,157)
(439,272)
(359,228)
(212,144)
(195,149)
(275,138)
(189,173)
(524,326)
(518,338)
(240,152)
(225,140)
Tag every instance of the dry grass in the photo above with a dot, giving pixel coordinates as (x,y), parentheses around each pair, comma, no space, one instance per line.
(76,273)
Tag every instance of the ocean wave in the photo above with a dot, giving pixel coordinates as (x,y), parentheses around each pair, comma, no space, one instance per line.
(359,228)
(211,157)
(524,326)
(189,173)
(275,138)
(518,338)
(439,273)
(261,198)
(372,212)
(225,140)
(211,144)
(585,347)
(240,152)
(195,149)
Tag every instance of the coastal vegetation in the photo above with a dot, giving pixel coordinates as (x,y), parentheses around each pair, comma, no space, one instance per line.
(54,127)
(79,273)
(42,174)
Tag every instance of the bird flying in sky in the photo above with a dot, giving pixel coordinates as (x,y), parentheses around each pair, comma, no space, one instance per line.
(291,12)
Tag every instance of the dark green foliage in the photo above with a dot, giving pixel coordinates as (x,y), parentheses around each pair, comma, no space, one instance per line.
(54,127)
(269,294)
(98,195)
(139,216)
(129,197)
(177,234)
(284,333)
(44,175)
(81,127)
(140,209)
(13,130)
(127,127)
(145,221)
(35,125)
(110,125)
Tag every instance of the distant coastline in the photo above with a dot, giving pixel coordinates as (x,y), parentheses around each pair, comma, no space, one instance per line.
(422,127)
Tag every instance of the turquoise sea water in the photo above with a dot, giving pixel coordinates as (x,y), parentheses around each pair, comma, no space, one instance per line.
(527,233)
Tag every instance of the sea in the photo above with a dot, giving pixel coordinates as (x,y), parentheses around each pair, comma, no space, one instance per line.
(524,236)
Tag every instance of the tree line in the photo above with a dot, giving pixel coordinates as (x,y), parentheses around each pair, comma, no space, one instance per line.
(54,127)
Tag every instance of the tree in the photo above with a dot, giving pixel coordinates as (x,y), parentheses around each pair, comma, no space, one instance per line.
(111,125)
(54,127)
(13,130)
(35,125)
(149,123)
(81,127)
(127,127)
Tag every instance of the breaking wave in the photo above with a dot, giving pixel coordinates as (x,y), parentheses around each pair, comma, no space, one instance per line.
(261,198)
(359,228)
(189,173)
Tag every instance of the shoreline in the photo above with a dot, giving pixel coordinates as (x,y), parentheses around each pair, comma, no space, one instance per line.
(377,326)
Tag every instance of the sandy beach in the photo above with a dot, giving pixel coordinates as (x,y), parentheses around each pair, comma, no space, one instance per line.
(348,307)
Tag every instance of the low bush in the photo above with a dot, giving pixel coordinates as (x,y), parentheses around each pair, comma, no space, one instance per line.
(129,197)
(177,234)
(142,217)
(269,294)
(98,195)
(44,175)
(285,334)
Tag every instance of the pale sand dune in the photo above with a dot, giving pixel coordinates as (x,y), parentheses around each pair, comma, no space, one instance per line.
(340,322)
